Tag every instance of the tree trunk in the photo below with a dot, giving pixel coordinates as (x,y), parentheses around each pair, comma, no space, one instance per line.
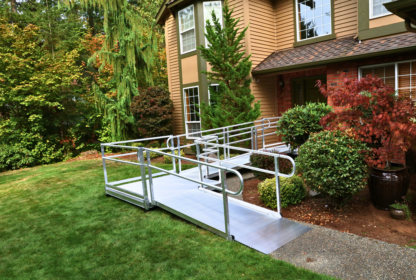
(90,13)
(13,4)
(411,160)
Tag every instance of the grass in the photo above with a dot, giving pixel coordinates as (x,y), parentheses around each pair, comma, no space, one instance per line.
(56,223)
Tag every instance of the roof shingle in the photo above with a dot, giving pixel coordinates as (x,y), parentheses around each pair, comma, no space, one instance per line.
(329,50)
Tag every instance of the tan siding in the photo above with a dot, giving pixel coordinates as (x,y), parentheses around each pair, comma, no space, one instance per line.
(284,24)
(264,89)
(262,29)
(346,17)
(173,73)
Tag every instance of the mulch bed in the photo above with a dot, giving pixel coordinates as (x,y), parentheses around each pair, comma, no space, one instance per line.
(359,216)
(96,155)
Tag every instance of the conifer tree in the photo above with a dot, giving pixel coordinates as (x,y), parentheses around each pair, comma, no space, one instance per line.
(232,103)
(130,47)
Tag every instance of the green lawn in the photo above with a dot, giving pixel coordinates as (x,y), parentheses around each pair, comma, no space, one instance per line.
(56,223)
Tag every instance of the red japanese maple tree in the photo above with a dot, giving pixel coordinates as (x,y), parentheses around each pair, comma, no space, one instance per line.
(373,113)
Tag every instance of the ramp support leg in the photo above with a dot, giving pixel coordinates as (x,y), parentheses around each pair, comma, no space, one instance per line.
(276,171)
(225,201)
(143,177)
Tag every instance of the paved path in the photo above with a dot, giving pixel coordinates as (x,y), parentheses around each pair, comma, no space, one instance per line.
(348,256)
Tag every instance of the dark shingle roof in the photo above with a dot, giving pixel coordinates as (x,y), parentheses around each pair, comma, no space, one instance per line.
(329,50)
(171,1)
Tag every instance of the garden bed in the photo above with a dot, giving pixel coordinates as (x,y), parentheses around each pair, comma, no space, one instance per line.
(359,216)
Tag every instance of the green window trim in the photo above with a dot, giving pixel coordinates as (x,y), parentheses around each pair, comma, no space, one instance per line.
(298,43)
(364,30)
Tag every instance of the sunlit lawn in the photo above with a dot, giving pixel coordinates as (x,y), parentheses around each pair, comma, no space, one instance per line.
(56,223)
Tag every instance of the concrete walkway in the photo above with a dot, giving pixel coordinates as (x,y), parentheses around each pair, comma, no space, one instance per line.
(348,256)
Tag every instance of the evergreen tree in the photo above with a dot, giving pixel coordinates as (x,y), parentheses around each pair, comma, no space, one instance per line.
(232,103)
(129,47)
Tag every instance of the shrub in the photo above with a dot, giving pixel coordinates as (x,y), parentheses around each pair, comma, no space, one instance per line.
(140,144)
(153,144)
(333,164)
(298,123)
(152,154)
(13,157)
(267,162)
(375,115)
(292,191)
(168,159)
(153,111)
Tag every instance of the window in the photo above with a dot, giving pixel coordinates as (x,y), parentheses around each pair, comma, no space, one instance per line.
(314,18)
(400,75)
(377,8)
(192,120)
(208,8)
(187,29)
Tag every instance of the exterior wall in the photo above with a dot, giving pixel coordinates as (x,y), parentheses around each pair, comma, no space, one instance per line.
(189,69)
(386,20)
(173,72)
(346,17)
(284,24)
(262,29)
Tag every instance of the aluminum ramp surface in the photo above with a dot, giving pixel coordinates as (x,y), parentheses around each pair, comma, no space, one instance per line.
(253,226)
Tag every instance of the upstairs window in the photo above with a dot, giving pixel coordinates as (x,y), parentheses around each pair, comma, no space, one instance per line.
(209,7)
(187,29)
(314,18)
(377,8)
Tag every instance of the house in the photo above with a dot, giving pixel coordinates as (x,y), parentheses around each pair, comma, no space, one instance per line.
(293,44)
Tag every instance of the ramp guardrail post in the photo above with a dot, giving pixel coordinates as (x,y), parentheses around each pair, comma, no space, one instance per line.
(262,133)
(172,148)
(179,153)
(276,171)
(143,176)
(149,170)
(225,201)
(104,165)
(199,165)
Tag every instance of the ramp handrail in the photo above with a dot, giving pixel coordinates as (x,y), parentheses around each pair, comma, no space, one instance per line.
(143,177)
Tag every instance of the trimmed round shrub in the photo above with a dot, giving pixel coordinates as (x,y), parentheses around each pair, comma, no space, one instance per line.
(298,123)
(152,154)
(333,164)
(267,162)
(153,111)
(292,191)
(168,159)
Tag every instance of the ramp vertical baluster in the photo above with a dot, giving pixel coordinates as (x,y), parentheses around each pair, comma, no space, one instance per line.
(224,141)
(228,143)
(104,165)
(262,133)
(225,202)
(172,149)
(206,160)
(276,172)
(252,140)
(255,138)
(149,170)
(179,153)
(199,165)
(143,176)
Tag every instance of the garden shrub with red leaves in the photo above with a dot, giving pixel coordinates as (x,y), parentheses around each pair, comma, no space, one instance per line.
(373,114)
(153,110)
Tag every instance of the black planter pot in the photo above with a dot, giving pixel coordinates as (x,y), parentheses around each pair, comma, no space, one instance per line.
(388,186)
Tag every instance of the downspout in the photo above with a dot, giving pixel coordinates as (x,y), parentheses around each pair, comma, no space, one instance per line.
(409,26)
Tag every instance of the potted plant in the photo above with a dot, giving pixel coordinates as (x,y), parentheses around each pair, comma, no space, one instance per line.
(298,123)
(373,113)
(400,211)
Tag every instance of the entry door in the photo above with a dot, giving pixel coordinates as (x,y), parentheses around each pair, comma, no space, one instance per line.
(304,90)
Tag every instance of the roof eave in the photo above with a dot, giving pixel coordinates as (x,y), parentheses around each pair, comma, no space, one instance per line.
(405,9)
(281,70)
(165,8)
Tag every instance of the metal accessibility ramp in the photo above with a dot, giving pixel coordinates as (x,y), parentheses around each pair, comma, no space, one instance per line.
(188,194)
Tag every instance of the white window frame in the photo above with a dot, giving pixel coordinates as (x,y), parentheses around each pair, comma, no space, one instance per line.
(396,71)
(205,19)
(181,32)
(185,113)
(371,11)
(297,23)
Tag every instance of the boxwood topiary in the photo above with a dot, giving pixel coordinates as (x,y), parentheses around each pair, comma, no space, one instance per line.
(292,191)
(333,164)
(298,123)
(267,162)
